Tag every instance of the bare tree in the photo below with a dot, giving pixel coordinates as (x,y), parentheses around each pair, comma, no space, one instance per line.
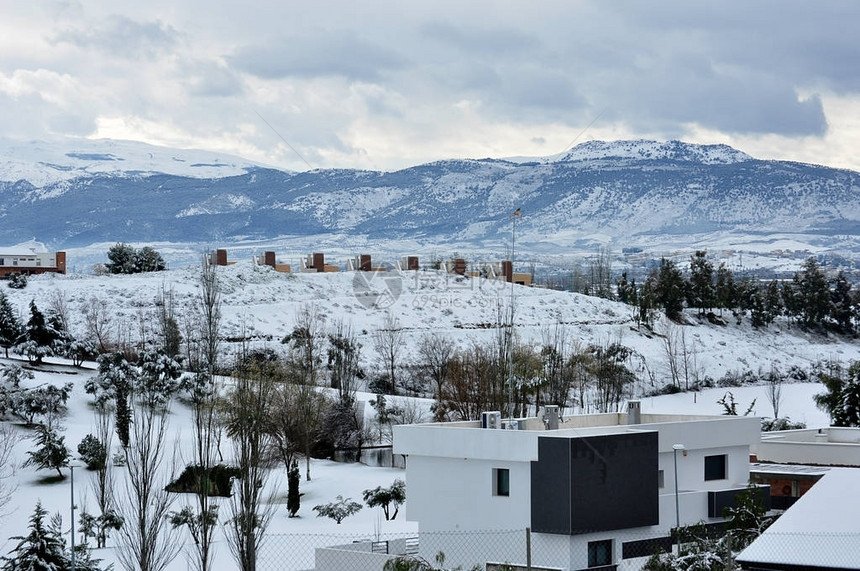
(344,354)
(9,437)
(171,338)
(210,312)
(304,363)
(670,345)
(555,373)
(248,426)
(147,542)
(774,390)
(437,352)
(389,340)
(203,392)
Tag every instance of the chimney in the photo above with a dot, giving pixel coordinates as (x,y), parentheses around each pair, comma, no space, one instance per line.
(319,262)
(508,270)
(634,412)
(269,258)
(550,416)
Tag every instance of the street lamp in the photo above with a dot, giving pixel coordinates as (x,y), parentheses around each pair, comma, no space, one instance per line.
(72,486)
(675,448)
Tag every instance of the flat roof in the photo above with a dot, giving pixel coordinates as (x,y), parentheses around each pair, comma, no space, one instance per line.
(787,469)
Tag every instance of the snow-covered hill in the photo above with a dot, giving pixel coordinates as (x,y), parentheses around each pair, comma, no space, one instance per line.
(261,305)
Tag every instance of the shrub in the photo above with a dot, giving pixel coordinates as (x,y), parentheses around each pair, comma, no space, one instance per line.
(17,281)
(217,483)
(93,452)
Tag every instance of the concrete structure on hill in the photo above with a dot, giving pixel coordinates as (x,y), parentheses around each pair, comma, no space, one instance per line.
(268,258)
(30,259)
(593,489)
(315,263)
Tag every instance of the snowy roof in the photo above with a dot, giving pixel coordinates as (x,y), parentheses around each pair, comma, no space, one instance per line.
(820,531)
(28,248)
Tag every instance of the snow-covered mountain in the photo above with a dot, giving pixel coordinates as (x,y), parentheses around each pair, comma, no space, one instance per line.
(47,163)
(628,193)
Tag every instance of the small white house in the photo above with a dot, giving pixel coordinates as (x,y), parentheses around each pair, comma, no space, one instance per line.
(593,489)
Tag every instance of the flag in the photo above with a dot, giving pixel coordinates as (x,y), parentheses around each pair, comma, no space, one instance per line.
(517,213)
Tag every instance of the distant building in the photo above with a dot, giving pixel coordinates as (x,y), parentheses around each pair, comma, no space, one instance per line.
(30,259)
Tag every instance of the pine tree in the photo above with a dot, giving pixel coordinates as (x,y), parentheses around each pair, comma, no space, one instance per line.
(669,289)
(293,495)
(51,452)
(701,284)
(842,399)
(43,549)
(725,288)
(841,307)
(813,293)
(10,327)
(121,258)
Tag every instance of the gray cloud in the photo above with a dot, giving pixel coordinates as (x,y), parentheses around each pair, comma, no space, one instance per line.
(343,81)
(341,53)
(122,36)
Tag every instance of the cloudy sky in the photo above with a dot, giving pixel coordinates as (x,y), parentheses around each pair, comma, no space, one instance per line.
(384,85)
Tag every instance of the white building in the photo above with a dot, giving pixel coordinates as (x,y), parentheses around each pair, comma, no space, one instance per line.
(595,491)
(30,258)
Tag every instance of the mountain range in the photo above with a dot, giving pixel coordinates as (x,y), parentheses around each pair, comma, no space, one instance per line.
(628,193)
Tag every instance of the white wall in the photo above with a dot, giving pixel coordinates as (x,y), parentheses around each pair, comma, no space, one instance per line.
(457,494)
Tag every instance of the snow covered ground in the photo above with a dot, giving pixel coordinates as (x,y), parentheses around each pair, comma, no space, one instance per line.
(263,303)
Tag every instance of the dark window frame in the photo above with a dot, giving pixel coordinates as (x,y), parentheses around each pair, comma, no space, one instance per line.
(502,482)
(716,467)
(600,553)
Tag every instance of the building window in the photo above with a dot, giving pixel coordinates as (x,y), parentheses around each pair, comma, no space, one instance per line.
(501,482)
(715,467)
(660,482)
(600,553)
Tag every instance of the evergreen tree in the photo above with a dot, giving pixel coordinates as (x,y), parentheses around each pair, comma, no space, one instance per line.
(43,549)
(626,289)
(122,415)
(122,258)
(772,302)
(725,288)
(841,304)
(293,495)
(39,331)
(669,289)
(10,327)
(51,452)
(813,293)
(701,285)
(842,399)
(148,260)
(647,303)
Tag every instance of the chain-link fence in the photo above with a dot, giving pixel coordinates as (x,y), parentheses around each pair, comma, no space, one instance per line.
(519,550)
(495,550)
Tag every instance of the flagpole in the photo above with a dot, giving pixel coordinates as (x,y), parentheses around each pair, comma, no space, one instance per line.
(517,214)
